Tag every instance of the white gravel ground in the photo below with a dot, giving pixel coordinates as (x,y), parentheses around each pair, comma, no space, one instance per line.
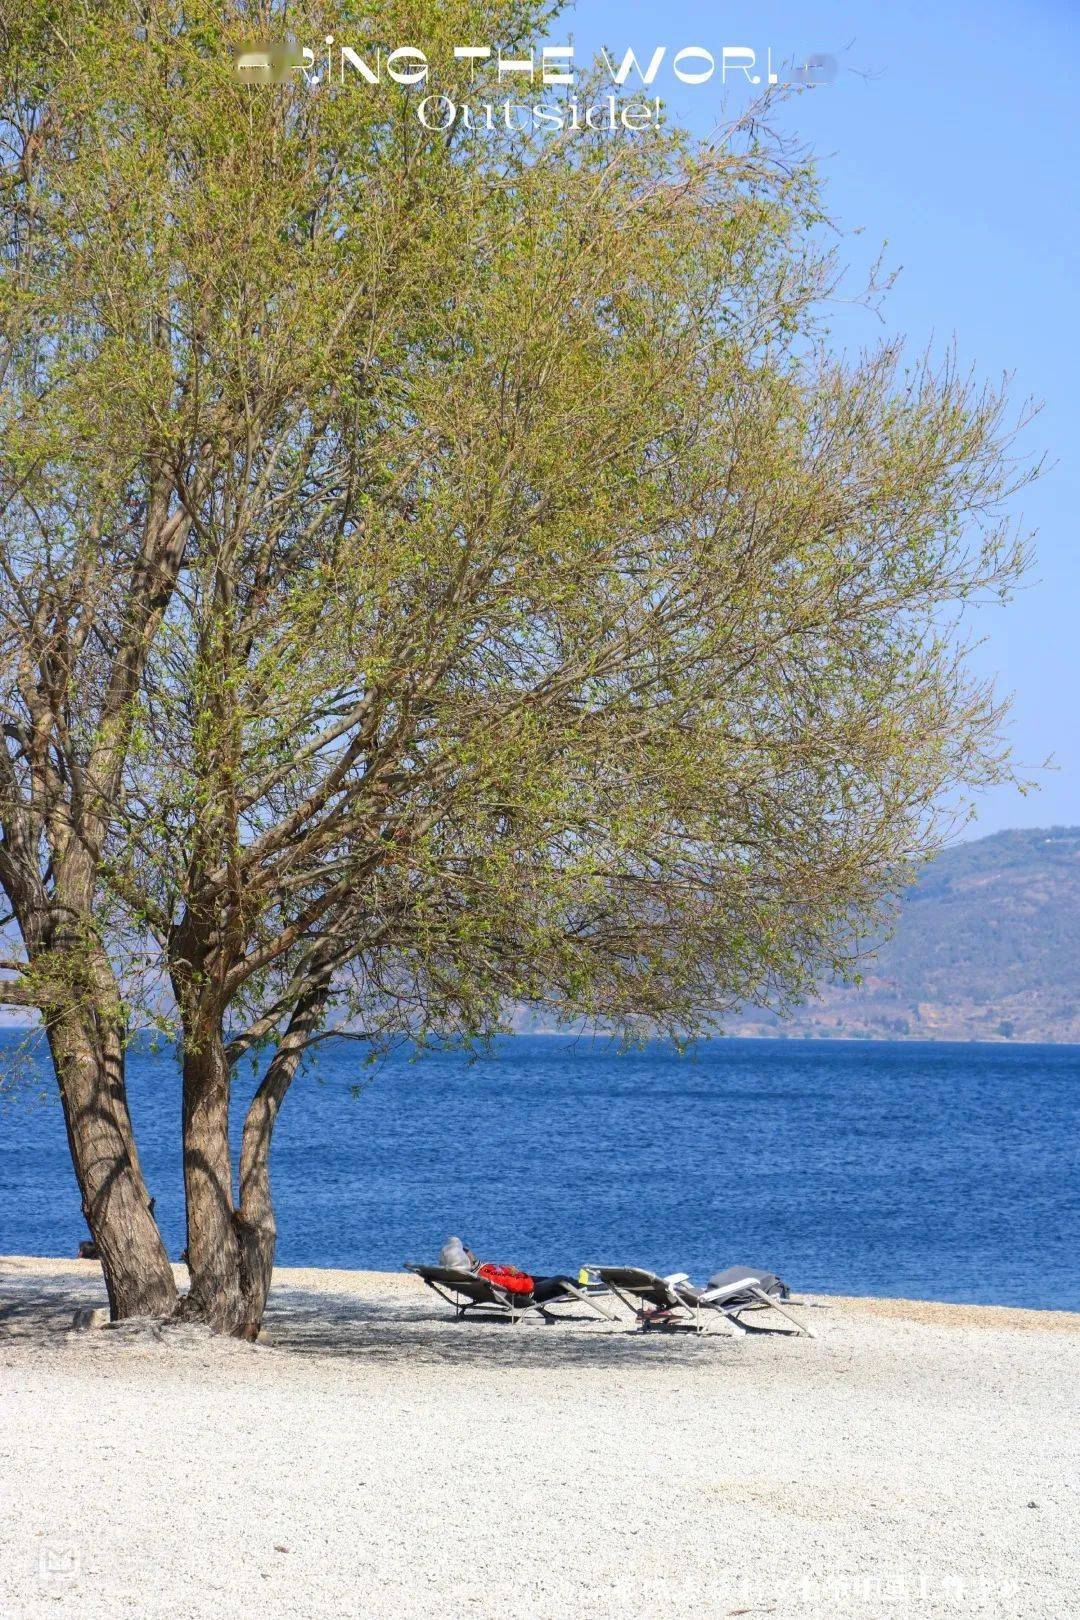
(380,1458)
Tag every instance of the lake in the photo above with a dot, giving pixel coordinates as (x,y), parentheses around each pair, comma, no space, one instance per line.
(917,1169)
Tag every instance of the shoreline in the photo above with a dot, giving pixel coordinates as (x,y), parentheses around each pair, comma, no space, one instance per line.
(328,1279)
(758,1036)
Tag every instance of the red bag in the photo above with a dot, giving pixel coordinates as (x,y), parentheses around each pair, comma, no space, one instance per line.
(506,1277)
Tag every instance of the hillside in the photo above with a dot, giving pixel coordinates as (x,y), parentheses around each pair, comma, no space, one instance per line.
(987,947)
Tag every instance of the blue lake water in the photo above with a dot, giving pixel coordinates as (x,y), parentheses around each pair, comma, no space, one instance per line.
(932,1171)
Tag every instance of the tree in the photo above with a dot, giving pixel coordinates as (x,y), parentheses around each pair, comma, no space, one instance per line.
(596,663)
(562,624)
(91,540)
(155,324)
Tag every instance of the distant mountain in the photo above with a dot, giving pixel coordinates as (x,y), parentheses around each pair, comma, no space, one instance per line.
(986,947)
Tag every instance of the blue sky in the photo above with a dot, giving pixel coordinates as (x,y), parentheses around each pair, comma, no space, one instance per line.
(952,134)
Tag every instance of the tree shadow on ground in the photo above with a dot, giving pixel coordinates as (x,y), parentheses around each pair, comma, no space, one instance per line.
(35,1303)
(314,1323)
(308,1323)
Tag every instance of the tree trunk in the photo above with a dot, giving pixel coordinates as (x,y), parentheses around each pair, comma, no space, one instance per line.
(231,1251)
(84,1027)
(213,1240)
(89,1063)
(255,1221)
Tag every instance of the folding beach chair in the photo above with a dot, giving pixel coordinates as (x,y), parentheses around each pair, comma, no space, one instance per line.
(465,1291)
(673,1301)
(740,1288)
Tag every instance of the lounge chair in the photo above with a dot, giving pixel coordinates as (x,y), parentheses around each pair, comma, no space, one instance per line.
(465,1291)
(673,1301)
(758,1291)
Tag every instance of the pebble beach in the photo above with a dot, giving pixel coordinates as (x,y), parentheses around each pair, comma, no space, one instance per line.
(374,1456)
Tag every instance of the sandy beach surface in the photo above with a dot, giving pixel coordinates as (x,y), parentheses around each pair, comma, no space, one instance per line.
(378,1457)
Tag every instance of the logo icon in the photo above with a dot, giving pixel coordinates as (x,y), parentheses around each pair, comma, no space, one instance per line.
(58,1561)
(267,62)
